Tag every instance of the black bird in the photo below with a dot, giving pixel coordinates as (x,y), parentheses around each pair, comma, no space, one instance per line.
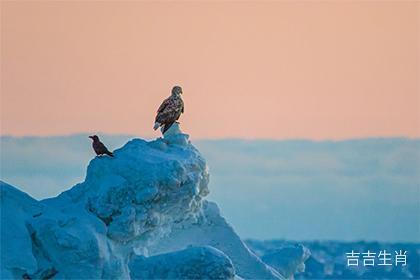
(99,147)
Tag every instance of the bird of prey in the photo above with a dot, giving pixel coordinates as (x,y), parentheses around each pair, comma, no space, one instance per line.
(99,147)
(170,110)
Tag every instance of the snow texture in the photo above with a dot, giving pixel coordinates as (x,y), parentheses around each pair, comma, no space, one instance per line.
(138,215)
(190,263)
(327,259)
(288,259)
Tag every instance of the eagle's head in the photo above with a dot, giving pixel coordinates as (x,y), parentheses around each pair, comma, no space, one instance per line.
(176,90)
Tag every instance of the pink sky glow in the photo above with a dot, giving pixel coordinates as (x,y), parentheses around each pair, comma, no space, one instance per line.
(317,70)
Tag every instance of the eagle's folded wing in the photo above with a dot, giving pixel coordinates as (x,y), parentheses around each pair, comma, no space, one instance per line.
(164,104)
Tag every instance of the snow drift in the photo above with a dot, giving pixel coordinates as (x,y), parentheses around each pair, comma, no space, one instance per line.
(138,215)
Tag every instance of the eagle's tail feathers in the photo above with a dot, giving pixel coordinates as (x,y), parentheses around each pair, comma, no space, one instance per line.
(156,126)
(166,127)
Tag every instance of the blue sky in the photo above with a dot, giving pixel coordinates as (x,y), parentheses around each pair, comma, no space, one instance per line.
(344,190)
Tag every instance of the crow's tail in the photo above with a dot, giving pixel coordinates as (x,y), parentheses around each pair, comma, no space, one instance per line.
(110,154)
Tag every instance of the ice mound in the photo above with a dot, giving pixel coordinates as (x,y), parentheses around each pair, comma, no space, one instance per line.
(145,189)
(288,259)
(17,208)
(190,263)
(138,215)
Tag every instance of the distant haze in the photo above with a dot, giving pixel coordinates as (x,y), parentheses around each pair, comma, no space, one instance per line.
(347,190)
(286,69)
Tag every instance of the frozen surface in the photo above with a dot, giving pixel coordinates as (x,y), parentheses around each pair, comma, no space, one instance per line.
(190,263)
(298,180)
(328,259)
(138,215)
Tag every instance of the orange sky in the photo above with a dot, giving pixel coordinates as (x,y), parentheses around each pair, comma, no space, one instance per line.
(319,70)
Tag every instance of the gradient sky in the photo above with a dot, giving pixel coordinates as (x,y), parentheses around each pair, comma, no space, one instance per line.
(254,70)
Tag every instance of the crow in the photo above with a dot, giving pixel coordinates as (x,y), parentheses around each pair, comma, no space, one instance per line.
(99,147)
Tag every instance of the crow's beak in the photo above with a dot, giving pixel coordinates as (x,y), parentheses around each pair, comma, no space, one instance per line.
(91,137)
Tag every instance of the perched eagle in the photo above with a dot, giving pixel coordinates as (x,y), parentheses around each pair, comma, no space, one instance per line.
(99,147)
(170,110)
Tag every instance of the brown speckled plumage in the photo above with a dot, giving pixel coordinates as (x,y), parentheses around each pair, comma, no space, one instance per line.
(170,110)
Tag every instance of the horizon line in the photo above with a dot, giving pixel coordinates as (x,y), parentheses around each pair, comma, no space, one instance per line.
(396,137)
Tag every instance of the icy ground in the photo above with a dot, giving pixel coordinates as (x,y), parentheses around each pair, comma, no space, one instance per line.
(138,215)
(328,259)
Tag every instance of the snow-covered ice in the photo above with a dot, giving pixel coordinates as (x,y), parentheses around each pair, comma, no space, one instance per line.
(138,215)
(190,263)
(328,259)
